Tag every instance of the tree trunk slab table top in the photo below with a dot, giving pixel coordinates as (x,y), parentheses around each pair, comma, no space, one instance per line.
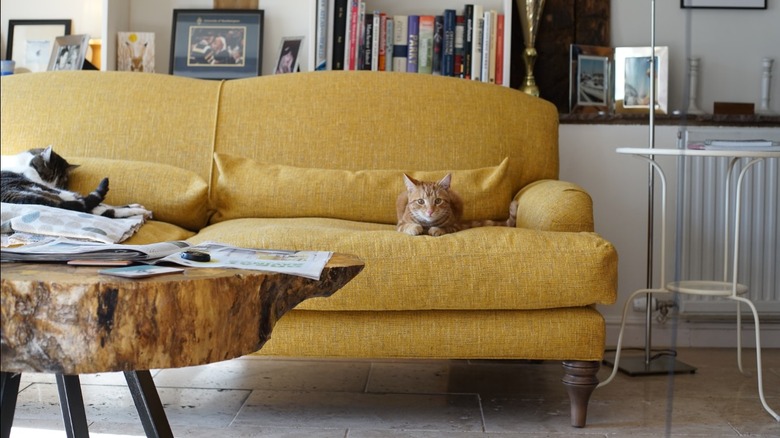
(69,320)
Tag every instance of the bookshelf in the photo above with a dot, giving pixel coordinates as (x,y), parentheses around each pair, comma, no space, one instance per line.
(428,7)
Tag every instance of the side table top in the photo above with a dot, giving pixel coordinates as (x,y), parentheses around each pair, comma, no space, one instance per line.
(71,320)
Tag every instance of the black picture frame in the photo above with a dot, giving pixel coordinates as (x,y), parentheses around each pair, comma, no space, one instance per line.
(217,43)
(30,42)
(723,4)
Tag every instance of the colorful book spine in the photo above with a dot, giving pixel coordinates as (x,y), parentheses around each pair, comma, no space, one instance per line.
(400,42)
(339,31)
(381,58)
(375,42)
(448,45)
(438,37)
(321,36)
(361,38)
(468,40)
(486,31)
(426,44)
(352,34)
(368,42)
(492,42)
(500,49)
(389,41)
(413,54)
(460,44)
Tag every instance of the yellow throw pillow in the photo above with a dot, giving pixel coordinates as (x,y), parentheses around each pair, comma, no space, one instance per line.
(174,195)
(246,188)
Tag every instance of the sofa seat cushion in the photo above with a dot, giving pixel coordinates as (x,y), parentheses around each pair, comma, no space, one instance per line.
(154,231)
(174,195)
(247,188)
(487,268)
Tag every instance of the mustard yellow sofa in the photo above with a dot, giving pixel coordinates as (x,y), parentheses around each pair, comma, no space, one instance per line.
(314,161)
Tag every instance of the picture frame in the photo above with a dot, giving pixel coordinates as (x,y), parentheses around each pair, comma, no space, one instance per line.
(632,79)
(289,55)
(723,4)
(30,42)
(590,73)
(69,52)
(135,51)
(217,43)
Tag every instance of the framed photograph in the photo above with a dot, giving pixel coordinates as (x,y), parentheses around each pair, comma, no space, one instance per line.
(633,73)
(217,44)
(30,42)
(69,52)
(289,49)
(135,51)
(724,4)
(590,72)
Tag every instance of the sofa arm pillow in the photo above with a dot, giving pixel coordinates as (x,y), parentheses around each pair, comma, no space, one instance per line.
(173,194)
(552,205)
(246,188)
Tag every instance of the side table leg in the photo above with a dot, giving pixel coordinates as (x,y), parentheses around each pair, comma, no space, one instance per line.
(72,406)
(9,390)
(148,404)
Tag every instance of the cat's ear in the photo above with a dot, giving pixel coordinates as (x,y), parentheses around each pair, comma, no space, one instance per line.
(445,182)
(46,154)
(410,182)
(71,167)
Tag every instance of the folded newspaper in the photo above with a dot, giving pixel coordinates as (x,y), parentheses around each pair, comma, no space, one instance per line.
(307,264)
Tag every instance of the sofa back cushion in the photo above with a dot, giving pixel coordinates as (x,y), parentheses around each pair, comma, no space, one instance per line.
(246,188)
(358,120)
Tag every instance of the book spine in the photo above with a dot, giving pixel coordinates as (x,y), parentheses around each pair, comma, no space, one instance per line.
(485,73)
(381,58)
(375,42)
(351,42)
(400,42)
(339,31)
(500,49)
(448,45)
(492,40)
(361,38)
(460,30)
(426,44)
(414,44)
(389,48)
(438,37)
(476,49)
(468,39)
(321,35)
(368,42)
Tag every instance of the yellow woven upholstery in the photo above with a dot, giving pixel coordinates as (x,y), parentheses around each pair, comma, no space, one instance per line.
(313,161)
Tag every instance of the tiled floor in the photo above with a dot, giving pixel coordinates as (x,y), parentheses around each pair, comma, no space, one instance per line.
(263,397)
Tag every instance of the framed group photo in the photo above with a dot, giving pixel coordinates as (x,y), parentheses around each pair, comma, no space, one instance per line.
(590,73)
(30,42)
(217,44)
(69,52)
(633,75)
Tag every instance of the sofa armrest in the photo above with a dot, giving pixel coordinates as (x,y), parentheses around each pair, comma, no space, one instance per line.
(552,205)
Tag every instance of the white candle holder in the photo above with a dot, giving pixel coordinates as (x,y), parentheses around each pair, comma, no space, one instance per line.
(693,83)
(766,78)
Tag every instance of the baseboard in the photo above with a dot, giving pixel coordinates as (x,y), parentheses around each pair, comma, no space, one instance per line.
(692,334)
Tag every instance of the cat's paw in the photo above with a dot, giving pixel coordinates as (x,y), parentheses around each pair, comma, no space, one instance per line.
(132,210)
(436,231)
(512,221)
(411,229)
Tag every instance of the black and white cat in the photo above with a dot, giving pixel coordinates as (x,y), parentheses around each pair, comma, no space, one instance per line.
(40,176)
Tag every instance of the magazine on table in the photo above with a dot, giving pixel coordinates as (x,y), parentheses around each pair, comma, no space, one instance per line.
(307,264)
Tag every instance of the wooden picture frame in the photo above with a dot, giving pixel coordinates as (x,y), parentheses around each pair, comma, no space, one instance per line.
(632,79)
(723,4)
(289,55)
(69,52)
(590,74)
(30,42)
(217,44)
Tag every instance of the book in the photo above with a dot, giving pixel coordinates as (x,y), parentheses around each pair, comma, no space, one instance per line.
(382,45)
(448,44)
(400,42)
(426,44)
(367,45)
(321,36)
(491,40)
(468,39)
(361,37)
(413,53)
(140,271)
(350,41)
(389,44)
(476,48)
(339,33)
(438,37)
(487,23)
(460,45)
(375,44)
(500,49)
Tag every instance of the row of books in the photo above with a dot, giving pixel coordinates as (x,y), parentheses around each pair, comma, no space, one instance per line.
(469,44)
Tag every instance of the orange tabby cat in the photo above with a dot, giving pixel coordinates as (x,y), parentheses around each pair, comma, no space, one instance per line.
(434,208)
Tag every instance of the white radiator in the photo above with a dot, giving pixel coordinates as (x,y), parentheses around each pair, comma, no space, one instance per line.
(702,181)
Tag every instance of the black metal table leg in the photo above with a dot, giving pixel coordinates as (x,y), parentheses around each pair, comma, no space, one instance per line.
(72,405)
(148,404)
(9,390)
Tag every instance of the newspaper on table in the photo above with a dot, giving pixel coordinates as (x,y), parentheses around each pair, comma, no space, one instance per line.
(308,264)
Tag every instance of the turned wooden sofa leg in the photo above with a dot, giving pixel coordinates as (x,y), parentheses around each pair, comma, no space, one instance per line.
(580,380)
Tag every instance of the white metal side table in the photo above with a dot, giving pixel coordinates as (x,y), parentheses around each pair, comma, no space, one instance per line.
(727,288)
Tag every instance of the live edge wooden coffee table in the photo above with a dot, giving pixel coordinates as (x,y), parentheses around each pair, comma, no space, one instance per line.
(71,320)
